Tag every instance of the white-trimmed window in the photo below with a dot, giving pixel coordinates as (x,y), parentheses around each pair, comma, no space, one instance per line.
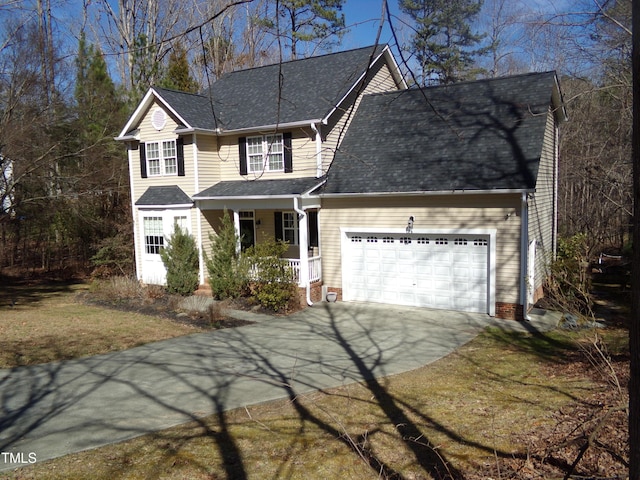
(181,221)
(290,227)
(265,153)
(162,158)
(153,235)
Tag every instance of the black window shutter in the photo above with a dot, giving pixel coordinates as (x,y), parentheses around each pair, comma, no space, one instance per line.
(143,159)
(288,154)
(312,218)
(180,154)
(277,217)
(242,150)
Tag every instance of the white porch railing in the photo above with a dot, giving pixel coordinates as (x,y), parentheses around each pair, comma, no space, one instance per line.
(315,269)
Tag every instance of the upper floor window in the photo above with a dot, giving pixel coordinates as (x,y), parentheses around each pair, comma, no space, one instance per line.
(162,158)
(265,153)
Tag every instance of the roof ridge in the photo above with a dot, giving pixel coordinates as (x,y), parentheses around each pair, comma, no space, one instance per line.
(314,57)
(416,88)
(157,88)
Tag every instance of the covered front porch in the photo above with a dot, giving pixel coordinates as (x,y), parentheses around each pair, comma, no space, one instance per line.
(280,210)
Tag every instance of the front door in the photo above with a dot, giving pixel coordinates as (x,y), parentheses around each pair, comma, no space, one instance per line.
(247,230)
(153,235)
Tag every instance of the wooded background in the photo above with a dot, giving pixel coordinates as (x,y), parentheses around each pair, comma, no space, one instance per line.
(72,72)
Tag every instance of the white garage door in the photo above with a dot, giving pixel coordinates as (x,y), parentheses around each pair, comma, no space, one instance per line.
(436,271)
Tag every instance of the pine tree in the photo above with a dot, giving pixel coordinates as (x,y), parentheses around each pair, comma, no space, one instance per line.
(308,21)
(177,76)
(180,257)
(443,42)
(226,276)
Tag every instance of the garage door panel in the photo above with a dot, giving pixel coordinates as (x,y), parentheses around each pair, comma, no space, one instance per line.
(437,271)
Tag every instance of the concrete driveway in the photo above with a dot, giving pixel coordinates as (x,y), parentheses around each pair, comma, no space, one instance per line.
(50,410)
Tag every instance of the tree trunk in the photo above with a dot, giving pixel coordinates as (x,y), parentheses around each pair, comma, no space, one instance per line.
(634,328)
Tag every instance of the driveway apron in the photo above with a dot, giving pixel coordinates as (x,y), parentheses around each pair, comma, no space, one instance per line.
(53,409)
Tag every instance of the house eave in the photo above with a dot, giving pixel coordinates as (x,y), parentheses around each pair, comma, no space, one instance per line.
(427,193)
(191,130)
(305,194)
(163,207)
(127,138)
(271,127)
(146,102)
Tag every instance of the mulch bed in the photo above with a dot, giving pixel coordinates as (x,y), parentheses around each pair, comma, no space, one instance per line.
(165,307)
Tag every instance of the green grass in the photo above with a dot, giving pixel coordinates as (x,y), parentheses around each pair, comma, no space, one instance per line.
(46,323)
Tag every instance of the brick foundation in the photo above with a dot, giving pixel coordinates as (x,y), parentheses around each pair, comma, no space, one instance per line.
(315,293)
(337,291)
(538,294)
(509,311)
(204,290)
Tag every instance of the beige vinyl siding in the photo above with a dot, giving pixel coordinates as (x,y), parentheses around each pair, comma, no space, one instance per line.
(381,81)
(542,205)
(210,224)
(303,148)
(446,212)
(149,134)
(208,161)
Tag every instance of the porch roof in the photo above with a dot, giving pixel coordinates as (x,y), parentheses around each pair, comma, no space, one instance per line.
(167,195)
(247,189)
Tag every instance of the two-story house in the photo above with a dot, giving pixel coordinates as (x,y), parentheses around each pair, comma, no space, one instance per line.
(440,197)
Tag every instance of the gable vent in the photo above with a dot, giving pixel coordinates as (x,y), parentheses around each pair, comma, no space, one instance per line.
(158,119)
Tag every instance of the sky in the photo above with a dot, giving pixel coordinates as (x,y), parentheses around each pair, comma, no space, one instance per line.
(363,18)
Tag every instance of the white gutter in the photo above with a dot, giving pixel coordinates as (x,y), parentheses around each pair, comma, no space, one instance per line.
(205,131)
(196,188)
(275,126)
(318,150)
(303,244)
(524,255)
(163,207)
(425,193)
(556,174)
(126,138)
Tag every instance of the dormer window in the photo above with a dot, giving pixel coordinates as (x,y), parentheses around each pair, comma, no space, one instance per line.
(265,153)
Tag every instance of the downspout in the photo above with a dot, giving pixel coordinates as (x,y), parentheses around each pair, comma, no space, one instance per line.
(304,249)
(318,150)
(524,255)
(196,188)
(556,166)
(137,247)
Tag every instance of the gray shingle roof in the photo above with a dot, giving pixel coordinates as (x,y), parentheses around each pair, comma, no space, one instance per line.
(309,88)
(482,135)
(170,195)
(194,109)
(260,188)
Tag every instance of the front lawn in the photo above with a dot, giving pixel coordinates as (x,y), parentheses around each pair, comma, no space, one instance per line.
(503,406)
(42,323)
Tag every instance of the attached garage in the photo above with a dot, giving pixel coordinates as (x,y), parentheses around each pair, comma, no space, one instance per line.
(446,270)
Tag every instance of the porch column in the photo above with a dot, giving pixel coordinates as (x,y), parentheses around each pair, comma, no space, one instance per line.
(303,243)
(236,226)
